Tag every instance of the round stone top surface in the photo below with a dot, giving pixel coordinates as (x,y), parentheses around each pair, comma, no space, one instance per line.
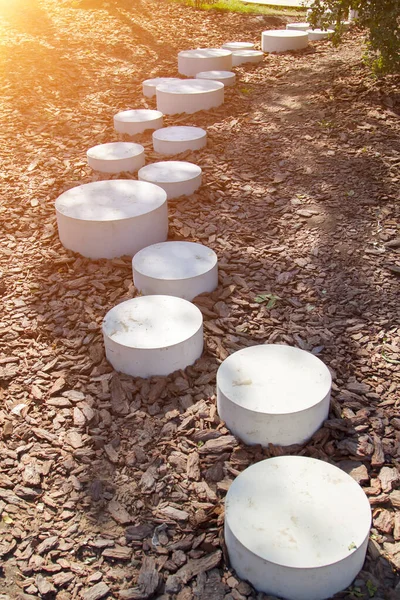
(302,26)
(151,322)
(321,31)
(157,80)
(274,379)
(248,53)
(170,171)
(190,86)
(138,115)
(179,133)
(174,260)
(284,33)
(110,200)
(115,151)
(238,46)
(298,512)
(215,74)
(204,53)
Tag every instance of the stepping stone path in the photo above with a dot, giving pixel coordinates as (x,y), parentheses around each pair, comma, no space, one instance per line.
(296,527)
(226,77)
(281,40)
(177,178)
(238,46)
(153,335)
(191,62)
(107,219)
(298,26)
(189,96)
(174,140)
(315,35)
(137,121)
(116,157)
(273,394)
(182,269)
(149,86)
(239,57)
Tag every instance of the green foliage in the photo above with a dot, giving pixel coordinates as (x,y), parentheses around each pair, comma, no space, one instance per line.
(380,17)
(240,7)
(372,589)
(269,299)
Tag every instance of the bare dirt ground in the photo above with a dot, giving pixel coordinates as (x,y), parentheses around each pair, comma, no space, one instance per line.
(112,486)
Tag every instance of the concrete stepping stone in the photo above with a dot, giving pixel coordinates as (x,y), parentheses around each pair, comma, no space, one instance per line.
(282,40)
(315,35)
(149,86)
(238,46)
(107,219)
(176,177)
(226,77)
(273,394)
(153,335)
(179,138)
(301,26)
(189,96)
(137,120)
(296,527)
(191,62)
(239,57)
(116,157)
(182,269)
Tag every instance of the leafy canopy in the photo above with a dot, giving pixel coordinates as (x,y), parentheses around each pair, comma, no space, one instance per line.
(380,17)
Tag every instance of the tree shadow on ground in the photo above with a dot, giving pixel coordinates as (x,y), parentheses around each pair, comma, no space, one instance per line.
(127,14)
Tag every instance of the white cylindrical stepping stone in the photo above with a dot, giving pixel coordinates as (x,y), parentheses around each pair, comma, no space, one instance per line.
(174,140)
(189,96)
(106,219)
(298,26)
(282,40)
(176,177)
(153,335)
(239,57)
(296,527)
(191,62)
(149,86)
(315,35)
(182,269)
(116,157)
(225,77)
(273,394)
(238,46)
(137,120)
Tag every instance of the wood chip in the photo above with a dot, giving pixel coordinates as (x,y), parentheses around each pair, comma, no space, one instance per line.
(112,454)
(195,566)
(222,444)
(44,586)
(174,513)
(98,591)
(388,478)
(118,553)
(193,466)
(148,582)
(119,513)
(47,544)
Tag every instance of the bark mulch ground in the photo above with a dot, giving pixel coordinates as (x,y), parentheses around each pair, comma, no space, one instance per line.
(112,486)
